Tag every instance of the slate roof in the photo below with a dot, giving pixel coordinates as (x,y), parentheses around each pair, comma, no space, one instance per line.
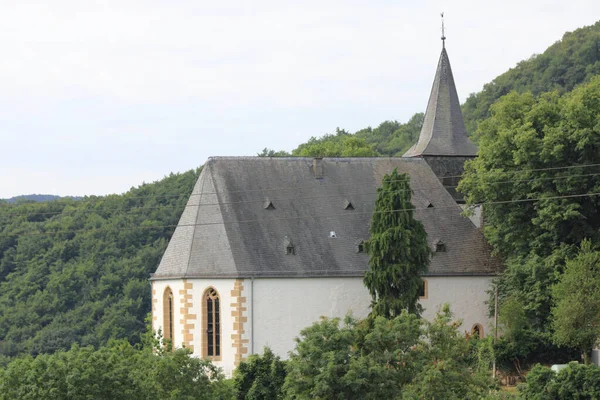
(226,231)
(443,132)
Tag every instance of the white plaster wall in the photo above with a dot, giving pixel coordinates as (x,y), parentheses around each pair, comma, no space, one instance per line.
(223,287)
(283,307)
(159,287)
(467,298)
(476,217)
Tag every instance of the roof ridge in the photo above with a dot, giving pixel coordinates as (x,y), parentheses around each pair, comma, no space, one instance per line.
(291,158)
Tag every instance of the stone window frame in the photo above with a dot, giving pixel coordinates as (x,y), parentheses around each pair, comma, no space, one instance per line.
(168,317)
(425,290)
(477,326)
(217,296)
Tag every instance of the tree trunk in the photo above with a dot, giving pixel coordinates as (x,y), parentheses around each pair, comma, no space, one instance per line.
(587,359)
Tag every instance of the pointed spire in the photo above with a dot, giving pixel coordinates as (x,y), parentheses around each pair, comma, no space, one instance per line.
(443,132)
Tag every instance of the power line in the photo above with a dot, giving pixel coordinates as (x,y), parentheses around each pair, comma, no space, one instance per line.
(355,182)
(275,200)
(289,187)
(324,216)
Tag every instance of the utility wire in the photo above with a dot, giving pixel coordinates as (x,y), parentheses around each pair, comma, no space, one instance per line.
(324,216)
(275,200)
(289,187)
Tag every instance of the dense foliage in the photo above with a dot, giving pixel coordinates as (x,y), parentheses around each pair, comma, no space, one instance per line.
(400,358)
(567,63)
(574,382)
(398,250)
(260,377)
(390,138)
(524,146)
(77,271)
(576,314)
(116,371)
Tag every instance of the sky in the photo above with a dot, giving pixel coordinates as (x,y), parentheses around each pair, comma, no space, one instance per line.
(97,97)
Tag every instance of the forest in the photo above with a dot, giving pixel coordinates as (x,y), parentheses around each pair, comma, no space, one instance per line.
(74,290)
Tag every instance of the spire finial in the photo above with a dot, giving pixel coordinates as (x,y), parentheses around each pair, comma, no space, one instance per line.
(443,34)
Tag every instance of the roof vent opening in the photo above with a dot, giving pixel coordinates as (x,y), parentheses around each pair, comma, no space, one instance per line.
(290,250)
(348,205)
(429,205)
(332,234)
(289,247)
(361,247)
(440,247)
(268,205)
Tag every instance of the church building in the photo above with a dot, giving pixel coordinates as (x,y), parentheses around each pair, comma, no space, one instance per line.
(266,246)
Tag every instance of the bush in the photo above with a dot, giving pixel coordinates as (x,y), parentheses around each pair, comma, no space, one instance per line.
(577,381)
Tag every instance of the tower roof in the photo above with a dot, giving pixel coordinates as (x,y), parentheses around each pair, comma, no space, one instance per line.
(443,132)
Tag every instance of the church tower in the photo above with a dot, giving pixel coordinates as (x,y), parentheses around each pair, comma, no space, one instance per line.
(443,142)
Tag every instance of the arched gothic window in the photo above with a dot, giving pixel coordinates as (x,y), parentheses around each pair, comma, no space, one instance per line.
(477,330)
(168,316)
(212,324)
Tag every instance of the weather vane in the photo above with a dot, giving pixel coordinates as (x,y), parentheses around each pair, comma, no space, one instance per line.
(443,35)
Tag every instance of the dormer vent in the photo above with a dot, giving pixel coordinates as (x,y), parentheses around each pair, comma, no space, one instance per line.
(429,205)
(289,247)
(440,247)
(332,234)
(268,205)
(348,205)
(360,248)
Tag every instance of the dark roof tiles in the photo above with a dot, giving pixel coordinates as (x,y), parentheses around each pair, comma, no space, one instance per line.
(234,236)
(443,132)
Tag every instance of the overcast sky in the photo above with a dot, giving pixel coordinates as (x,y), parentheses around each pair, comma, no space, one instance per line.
(100,96)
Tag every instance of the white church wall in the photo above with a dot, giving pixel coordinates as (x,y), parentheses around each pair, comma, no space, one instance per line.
(158,290)
(272,312)
(467,298)
(476,217)
(188,314)
(283,307)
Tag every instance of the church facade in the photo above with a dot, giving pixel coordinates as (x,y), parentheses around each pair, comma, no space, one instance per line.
(266,246)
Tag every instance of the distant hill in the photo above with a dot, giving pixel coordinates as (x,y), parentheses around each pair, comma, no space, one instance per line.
(38,198)
(573,60)
(77,271)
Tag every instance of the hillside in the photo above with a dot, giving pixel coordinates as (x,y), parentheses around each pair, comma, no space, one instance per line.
(570,61)
(77,271)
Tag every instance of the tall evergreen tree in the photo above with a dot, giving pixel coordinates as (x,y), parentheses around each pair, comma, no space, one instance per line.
(398,250)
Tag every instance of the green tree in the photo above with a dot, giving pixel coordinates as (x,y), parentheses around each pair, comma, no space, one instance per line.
(522,147)
(404,357)
(576,315)
(577,381)
(341,145)
(116,371)
(272,153)
(260,377)
(398,250)
(448,370)
(573,60)
(77,271)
